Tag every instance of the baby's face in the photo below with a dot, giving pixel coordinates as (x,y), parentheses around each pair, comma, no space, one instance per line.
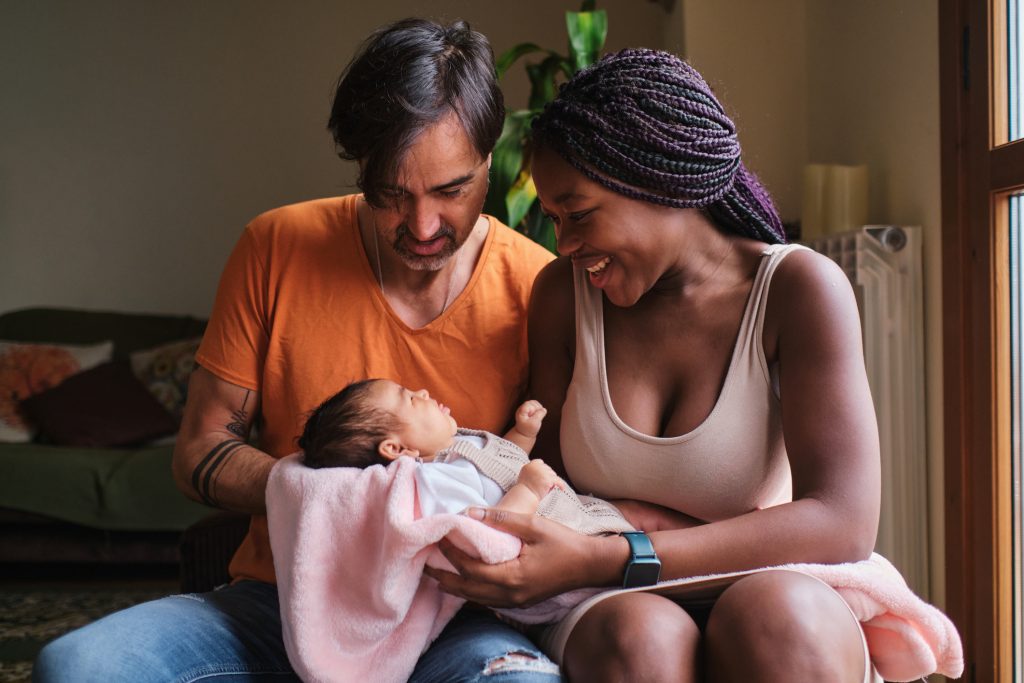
(427,426)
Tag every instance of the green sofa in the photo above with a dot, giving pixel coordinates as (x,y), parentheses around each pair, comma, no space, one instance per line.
(92,505)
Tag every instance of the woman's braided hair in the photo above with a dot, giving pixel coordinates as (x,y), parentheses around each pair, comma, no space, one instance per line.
(645,124)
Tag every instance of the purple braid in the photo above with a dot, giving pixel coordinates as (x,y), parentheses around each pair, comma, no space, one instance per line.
(645,124)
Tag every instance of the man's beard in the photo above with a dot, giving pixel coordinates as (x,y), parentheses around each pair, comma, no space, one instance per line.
(436,261)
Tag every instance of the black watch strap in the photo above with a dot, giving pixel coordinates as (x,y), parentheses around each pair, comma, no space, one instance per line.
(643,567)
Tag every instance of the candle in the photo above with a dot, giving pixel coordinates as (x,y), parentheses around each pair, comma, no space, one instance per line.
(835,199)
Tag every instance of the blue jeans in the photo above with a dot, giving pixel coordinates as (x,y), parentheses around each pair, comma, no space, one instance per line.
(234,634)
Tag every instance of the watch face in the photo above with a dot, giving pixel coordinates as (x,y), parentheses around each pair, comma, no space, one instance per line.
(641,573)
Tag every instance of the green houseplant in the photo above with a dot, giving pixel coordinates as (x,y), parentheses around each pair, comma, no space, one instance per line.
(512,196)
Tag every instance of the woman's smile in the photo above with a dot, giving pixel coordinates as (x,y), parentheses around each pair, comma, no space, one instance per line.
(599,266)
(598,273)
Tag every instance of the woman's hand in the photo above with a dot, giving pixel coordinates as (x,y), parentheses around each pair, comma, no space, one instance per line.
(554,559)
(650,517)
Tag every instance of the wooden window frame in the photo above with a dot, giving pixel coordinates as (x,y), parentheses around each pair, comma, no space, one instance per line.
(978,170)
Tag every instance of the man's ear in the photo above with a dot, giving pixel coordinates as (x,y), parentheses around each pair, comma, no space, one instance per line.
(489,158)
(391,448)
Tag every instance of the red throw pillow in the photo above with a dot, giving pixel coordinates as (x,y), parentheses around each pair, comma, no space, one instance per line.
(102,407)
(27,369)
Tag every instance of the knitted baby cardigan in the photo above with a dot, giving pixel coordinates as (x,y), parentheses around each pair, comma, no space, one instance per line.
(501,460)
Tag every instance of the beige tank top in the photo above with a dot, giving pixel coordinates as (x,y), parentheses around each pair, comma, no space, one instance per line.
(732,463)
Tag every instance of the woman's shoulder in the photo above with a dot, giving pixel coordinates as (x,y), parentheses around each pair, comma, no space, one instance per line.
(809,295)
(557,271)
(804,274)
(552,315)
(553,289)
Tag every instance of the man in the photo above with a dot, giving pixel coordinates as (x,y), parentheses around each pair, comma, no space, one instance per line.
(406,281)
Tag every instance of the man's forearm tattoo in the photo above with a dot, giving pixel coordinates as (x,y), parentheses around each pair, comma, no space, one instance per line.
(240,419)
(206,473)
(214,461)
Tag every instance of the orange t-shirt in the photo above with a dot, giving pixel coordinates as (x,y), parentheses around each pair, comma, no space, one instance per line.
(299,315)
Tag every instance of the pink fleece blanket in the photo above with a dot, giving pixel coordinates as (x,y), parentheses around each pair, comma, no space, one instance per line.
(349,554)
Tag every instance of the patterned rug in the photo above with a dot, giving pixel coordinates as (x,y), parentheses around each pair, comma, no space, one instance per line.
(32,617)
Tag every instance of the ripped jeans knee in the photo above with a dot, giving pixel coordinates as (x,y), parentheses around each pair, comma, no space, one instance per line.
(524,661)
(476,647)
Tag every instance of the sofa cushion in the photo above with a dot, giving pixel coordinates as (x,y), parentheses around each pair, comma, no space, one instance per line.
(111,489)
(103,406)
(104,488)
(28,369)
(165,371)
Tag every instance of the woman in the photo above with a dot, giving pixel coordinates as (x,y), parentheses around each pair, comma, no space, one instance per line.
(711,370)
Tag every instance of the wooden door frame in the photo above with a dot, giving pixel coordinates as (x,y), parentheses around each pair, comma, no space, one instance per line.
(978,503)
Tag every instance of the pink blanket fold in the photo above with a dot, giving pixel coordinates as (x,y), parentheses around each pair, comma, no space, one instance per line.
(907,638)
(349,555)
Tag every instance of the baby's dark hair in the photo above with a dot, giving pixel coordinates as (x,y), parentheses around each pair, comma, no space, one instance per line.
(646,125)
(344,431)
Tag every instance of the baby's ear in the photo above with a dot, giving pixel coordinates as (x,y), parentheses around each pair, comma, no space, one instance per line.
(391,448)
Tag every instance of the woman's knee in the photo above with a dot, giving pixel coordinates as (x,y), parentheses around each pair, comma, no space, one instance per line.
(785,624)
(635,636)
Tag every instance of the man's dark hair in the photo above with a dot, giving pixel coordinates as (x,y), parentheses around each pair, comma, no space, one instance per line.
(345,432)
(406,78)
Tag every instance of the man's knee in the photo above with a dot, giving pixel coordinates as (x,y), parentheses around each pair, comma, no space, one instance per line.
(71,657)
(116,648)
(477,647)
(164,640)
(520,661)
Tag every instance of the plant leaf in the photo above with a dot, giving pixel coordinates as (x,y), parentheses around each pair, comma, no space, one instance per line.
(587,33)
(509,57)
(520,197)
(540,229)
(542,80)
(506,162)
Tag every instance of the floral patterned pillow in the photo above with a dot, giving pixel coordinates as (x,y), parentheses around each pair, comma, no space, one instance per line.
(165,371)
(28,369)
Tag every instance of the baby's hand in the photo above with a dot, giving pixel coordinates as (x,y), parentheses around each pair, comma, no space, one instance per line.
(539,477)
(529,417)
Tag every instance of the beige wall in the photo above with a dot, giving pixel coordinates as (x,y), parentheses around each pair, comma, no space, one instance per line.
(875,64)
(758,70)
(136,139)
(841,82)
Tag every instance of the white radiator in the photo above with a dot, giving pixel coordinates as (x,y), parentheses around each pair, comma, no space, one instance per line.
(884,266)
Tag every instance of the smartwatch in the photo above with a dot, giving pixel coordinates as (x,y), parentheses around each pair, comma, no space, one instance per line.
(644,567)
